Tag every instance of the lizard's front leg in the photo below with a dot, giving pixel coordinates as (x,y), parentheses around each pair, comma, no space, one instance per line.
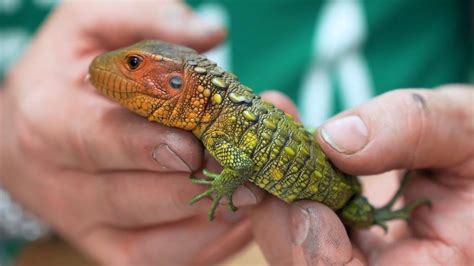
(237,169)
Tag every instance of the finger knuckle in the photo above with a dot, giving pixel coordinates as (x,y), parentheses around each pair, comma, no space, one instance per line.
(117,207)
(444,254)
(121,256)
(179,201)
(29,143)
(414,107)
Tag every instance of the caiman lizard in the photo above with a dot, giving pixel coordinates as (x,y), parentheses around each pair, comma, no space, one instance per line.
(252,140)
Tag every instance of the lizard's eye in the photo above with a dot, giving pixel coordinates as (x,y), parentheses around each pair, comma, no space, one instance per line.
(134,62)
(176,82)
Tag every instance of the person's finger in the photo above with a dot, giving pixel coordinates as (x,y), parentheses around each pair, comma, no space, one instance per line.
(452,200)
(231,243)
(402,129)
(428,233)
(305,233)
(102,136)
(93,27)
(131,199)
(123,199)
(270,224)
(143,198)
(415,251)
(132,21)
(115,139)
(171,244)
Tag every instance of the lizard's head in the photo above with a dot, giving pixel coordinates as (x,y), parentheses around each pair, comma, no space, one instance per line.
(152,79)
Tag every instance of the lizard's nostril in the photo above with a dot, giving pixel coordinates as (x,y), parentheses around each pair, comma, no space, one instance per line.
(98,61)
(96,73)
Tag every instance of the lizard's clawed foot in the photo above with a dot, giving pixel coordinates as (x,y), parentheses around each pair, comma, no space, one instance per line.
(218,189)
(384,214)
(360,213)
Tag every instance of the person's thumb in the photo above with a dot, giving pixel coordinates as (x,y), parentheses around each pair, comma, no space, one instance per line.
(411,129)
(304,233)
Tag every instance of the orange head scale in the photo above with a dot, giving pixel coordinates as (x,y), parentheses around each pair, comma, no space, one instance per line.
(153,79)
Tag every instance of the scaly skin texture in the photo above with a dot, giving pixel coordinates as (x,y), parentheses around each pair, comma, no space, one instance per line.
(250,138)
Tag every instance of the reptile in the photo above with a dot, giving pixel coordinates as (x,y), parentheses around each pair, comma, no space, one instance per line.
(177,87)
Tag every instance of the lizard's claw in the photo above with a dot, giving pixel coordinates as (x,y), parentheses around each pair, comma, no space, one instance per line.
(217,189)
(208,181)
(201,196)
(210,174)
(214,204)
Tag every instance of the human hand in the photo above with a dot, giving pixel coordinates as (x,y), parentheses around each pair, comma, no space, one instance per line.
(112,183)
(429,132)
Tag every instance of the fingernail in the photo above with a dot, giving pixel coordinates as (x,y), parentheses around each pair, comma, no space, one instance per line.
(243,196)
(299,221)
(346,135)
(169,160)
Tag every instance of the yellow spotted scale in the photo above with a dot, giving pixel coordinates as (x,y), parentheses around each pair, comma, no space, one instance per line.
(252,140)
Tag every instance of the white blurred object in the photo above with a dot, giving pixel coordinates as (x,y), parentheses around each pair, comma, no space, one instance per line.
(337,55)
(15,222)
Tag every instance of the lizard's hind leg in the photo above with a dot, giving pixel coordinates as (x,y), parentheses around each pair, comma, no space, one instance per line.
(381,215)
(360,213)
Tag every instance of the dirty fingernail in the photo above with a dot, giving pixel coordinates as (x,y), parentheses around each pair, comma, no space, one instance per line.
(243,196)
(346,135)
(299,221)
(169,160)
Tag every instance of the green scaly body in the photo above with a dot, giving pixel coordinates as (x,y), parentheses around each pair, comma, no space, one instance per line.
(280,155)
(250,138)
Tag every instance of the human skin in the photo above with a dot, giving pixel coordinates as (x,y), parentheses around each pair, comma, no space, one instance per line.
(428,132)
(110,182)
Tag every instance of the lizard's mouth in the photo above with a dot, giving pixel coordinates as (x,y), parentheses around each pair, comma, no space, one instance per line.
(113,85)
(122,90)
